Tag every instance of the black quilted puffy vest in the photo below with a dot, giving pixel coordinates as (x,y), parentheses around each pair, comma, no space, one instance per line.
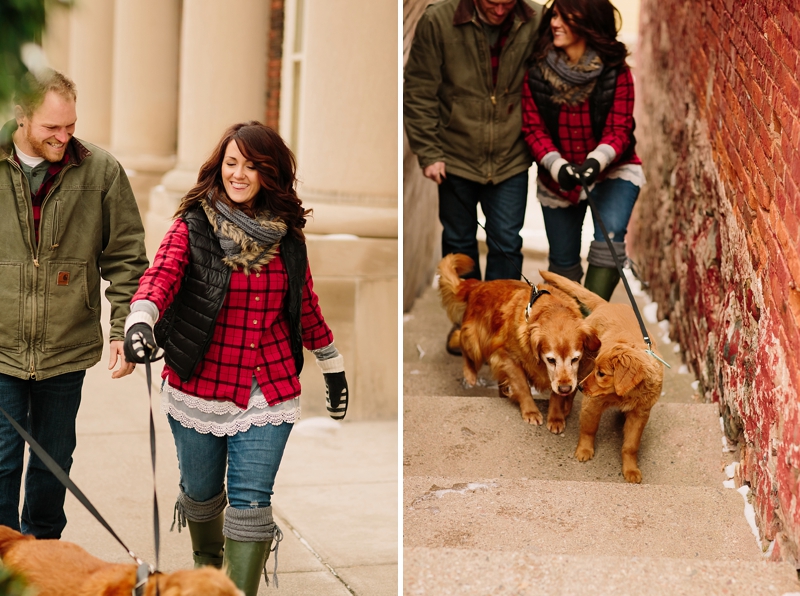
(187,326)
(600,102)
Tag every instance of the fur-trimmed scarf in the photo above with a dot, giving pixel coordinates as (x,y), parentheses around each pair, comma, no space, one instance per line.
(572,83)
(249,243)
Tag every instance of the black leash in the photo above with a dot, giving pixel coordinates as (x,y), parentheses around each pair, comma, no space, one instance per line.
(144,570)
(597,217)
(536,293)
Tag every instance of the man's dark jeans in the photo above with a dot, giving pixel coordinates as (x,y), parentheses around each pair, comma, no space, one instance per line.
(47,410)
(504,207)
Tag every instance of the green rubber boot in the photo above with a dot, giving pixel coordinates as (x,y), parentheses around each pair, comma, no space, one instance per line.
(601,280)
(244,562)
(207,541)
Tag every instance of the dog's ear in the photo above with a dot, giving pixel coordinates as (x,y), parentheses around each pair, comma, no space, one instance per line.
(535,342)
(591,341)
(629,369)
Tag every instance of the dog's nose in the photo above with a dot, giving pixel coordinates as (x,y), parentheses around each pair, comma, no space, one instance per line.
(564,389)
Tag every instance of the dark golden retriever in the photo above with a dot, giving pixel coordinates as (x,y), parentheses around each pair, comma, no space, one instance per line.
(543,348)
(624,375)
(60,568)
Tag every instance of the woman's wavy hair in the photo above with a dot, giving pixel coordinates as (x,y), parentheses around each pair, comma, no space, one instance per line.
(276,167)
(596,21)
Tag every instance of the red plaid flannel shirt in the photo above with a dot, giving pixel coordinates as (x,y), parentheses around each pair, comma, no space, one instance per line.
(252,333)
(497,48)
(575,131)
(47,184)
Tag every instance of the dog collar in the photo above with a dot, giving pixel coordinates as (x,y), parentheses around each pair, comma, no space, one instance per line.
(535,295)
(143,573)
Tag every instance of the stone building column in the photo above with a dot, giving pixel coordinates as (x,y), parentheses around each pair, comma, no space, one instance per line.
(339,113)
(223,60)
(90,64)
(144,108)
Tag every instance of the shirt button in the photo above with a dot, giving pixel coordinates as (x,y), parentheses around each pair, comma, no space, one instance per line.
(252,345)
(258,299)
(258,275)
(255,322)
(258,368)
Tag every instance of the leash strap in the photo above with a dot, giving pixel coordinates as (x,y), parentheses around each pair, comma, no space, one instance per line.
(599,220)
(156,529)
(66,481)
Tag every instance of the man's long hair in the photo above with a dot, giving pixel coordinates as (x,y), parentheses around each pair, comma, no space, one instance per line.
(276,168)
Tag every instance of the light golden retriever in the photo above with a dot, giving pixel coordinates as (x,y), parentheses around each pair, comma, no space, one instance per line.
(60,568)
(544,350)
(624,375)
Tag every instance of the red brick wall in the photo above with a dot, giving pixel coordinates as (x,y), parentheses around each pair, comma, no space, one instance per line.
(716,227)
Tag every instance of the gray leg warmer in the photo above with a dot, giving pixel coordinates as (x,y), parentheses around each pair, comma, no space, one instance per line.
(249,525)
(574,273)
(196,511)
(600,255)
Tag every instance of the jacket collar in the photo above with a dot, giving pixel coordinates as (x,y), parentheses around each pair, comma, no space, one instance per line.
(77,150)
(466,12)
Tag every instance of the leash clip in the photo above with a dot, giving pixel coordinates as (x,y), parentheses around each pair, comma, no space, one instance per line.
(657,357)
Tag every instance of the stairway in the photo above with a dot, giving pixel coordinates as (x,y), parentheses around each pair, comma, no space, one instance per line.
(493,505)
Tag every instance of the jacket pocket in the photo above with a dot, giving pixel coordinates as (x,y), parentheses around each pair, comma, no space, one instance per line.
(463,135)
(10,316)
(69,319)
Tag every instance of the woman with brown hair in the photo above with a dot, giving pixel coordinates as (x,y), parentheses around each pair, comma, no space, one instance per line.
(577,118)
(232,292)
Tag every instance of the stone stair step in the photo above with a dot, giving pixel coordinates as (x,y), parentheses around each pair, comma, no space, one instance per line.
(546,517)
(485,437)
(464,572)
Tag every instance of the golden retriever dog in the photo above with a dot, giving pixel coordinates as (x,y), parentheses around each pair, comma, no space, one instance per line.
(543,349)
(60,568)
(624,375)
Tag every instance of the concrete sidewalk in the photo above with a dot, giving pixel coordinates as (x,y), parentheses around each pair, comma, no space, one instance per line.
(335,494)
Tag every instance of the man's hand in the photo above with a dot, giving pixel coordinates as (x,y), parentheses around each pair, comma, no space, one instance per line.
(118,354)
(435,172)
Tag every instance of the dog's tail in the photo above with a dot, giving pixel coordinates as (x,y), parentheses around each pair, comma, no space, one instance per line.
(576,290)
(8,537)
(452,289)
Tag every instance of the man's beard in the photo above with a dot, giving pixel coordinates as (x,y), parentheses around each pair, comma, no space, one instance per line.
(42,149)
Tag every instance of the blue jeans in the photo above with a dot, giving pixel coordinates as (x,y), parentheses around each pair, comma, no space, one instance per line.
(47,410)
(614,199)
(503,205)
(252,458)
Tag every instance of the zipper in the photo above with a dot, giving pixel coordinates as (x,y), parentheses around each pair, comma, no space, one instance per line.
(56,209)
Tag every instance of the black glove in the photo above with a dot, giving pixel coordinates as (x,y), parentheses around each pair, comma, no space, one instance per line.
(567,178)
(336,394)
(140,345)
(588,171)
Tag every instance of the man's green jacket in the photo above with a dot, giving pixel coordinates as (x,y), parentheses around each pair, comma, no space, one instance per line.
(50,290)
(452,112)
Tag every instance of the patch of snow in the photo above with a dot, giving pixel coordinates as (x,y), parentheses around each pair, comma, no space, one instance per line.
(749,513)
(650,312)
(414,372)
(695,385)
(421,352)
(728,484)
(408,317)
(683,370)
(435,283)
(676,348)
(730,469)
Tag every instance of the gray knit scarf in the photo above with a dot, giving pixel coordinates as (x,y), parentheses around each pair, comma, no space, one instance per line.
(247,242)
(572,83)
